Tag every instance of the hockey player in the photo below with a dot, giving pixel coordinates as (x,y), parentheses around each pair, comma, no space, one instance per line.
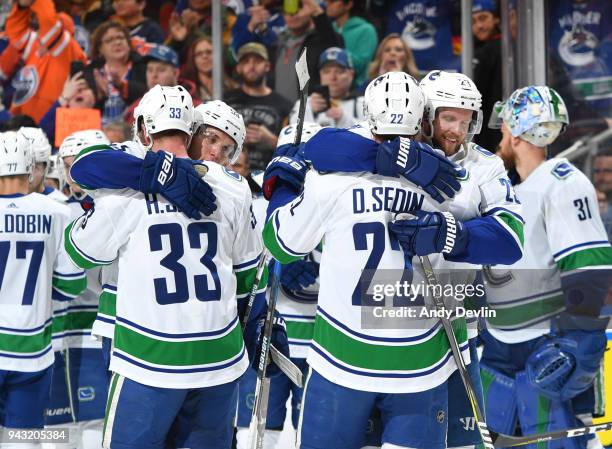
(404,371)
(41,149)
(178,346)
(542,352)
(34,268)
(55,174)
(296,303)
(80,385)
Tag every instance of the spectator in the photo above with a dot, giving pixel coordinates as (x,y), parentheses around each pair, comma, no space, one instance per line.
(143,30)
(117,131)
(311,28)
(198,68)
(163,69)
(603,184)
(262,23)
(42,49)
(119,72)
(359,35)
(194,21)
(264,111)
(393,55)
(79,92)
(341,109)
(426,27)
(487,66)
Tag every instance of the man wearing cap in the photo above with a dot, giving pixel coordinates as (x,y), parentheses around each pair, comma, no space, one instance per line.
(264,110)
(332,103)
(163,69)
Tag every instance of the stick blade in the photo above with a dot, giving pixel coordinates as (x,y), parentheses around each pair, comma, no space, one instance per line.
(301,67)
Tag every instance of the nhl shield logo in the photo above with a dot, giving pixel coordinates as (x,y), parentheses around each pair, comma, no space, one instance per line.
(26,84)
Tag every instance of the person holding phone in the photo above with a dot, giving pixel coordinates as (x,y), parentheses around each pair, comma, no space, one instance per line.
(332,103)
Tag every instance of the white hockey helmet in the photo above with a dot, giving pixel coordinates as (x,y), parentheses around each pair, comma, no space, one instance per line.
(287,134)
(55,169)
(394,105)
(452,90)
(164,108)
(222,116)
(39,144)
(79,140)
(537,114)
(15,154)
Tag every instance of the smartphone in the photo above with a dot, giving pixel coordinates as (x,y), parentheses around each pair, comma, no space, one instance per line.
(324,92)
(76,67)
(291,7)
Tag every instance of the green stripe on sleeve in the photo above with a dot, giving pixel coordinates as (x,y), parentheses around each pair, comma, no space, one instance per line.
(70,286)
(108,304)
(74,253)
(586,258)
(514,224)
(87,151)
(246,278)
(269,238)
(300,330)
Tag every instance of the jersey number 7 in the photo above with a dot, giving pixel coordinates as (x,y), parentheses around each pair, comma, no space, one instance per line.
(174,231)
(37,249)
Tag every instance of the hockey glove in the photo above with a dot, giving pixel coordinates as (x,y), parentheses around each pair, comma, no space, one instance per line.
(253,339)
(299,274)
(566,364)
(421,165)
(283,169)
(430,232)
(177,181)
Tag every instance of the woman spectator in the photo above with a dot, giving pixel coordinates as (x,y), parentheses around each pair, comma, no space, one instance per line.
(79,92)
(199,68)
(392,55)
(119,72)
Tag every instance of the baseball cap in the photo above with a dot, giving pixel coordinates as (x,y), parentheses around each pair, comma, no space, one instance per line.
(163,54)
(484,6)
(252,48)
(337,56)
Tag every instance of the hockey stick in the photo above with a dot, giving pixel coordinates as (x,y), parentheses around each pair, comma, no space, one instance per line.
(262,388)
(301,67)
(490,438)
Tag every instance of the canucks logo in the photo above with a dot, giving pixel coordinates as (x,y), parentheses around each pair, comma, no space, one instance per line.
(577,46)
(562,170)
(86,394)
(232,174)
(419,34)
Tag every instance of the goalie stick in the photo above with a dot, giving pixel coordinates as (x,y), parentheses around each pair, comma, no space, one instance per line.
(491,439)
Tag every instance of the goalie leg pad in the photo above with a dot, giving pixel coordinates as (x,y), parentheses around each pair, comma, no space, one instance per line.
(538,414)
(499,389)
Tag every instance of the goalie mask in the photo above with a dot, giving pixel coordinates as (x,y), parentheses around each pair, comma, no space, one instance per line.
(536,114)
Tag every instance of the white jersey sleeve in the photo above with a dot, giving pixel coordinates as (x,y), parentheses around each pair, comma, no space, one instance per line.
(575,232)
(302,223)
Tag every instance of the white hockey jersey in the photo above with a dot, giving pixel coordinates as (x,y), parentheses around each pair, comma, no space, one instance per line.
(178,280)
(563,233)
(55,194)
(33,269)
(349,213)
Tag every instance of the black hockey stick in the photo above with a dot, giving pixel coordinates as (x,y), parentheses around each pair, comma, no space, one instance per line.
(490,438)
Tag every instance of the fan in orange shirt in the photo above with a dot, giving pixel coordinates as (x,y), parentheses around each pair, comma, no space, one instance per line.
(41,48)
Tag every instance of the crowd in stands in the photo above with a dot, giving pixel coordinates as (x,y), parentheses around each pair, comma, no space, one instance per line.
(102,55)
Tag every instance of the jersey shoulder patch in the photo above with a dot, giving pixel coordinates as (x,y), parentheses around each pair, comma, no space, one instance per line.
(232,174)
(482,151)
(563,170)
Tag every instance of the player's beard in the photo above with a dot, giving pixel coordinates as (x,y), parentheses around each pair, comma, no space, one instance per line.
(449,148)
(505,152)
